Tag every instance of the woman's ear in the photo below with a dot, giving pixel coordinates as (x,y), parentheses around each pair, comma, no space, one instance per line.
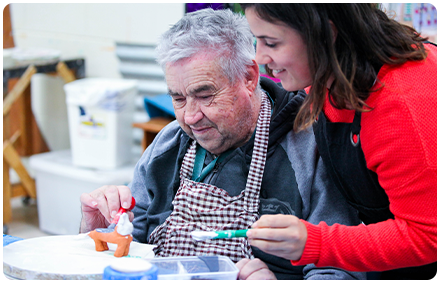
(334,31)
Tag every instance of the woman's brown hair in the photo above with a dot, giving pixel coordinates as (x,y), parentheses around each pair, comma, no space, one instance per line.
(366,39)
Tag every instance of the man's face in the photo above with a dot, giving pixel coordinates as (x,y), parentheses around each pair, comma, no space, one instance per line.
(216,114)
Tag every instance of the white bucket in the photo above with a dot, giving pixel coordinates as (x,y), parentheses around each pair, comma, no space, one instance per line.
(100,114)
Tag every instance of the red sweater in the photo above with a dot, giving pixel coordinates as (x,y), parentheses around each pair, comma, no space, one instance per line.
(399,141)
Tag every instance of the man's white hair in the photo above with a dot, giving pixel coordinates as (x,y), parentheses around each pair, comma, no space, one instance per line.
(223,32)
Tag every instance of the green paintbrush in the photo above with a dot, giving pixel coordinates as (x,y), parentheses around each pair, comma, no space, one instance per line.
(226,234)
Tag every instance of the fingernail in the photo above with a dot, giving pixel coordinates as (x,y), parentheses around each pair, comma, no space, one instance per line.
(94,203)
(113,213)
(125,205)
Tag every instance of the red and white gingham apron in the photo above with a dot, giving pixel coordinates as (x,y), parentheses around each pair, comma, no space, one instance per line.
(200,206)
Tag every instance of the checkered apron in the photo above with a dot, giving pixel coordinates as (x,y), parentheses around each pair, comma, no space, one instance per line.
(200,206)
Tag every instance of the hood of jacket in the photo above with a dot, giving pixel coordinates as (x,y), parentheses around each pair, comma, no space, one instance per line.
(286,106)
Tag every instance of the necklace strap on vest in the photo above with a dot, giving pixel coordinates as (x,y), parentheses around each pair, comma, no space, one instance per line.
(199,173)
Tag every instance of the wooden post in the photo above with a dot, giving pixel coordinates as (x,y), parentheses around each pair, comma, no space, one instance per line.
(65,73)
(8,39)
(7,210)
(13,159)
(18,89)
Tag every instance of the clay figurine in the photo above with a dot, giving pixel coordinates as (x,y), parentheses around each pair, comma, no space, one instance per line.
(119,233)
(120,236)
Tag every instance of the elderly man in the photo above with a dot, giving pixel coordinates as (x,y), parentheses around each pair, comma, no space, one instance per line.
(230,157)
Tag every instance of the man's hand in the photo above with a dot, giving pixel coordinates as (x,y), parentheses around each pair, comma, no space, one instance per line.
(100,206)
(254,269)
(280,235)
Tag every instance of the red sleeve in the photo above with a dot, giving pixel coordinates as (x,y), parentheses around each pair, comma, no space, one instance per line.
(399,140)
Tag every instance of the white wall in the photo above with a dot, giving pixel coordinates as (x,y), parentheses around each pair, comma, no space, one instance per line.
(90,31)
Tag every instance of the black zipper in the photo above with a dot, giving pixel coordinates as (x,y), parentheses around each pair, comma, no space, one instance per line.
(214,171)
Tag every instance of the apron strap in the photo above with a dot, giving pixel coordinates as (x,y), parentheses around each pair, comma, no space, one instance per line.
(255,176)
(258,162)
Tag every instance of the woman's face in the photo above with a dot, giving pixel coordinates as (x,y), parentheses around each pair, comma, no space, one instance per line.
(283,50)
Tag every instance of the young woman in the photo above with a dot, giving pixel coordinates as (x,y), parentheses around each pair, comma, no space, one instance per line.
(372,101)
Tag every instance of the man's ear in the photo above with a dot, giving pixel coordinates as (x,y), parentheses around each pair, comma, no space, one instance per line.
(252,76)
(334,31)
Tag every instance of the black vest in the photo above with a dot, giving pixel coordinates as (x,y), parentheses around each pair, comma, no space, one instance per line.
(346,165)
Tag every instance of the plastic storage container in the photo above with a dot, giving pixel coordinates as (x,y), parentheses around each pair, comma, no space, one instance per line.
(60,184)
(195,268)
(100,114)
(130,269)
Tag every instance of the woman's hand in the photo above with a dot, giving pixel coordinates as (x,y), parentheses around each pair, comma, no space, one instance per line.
(280,235)
(254,269)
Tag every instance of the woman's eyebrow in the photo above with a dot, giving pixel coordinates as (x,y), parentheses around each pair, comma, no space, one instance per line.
(265,37)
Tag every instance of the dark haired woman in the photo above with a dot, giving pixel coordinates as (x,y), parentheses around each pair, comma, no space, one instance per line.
(372,101)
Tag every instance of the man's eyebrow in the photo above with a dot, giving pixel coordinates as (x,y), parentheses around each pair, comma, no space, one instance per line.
(172,93)
(201,88)
(194,91)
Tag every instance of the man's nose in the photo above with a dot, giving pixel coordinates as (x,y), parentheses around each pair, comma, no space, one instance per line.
(193,113)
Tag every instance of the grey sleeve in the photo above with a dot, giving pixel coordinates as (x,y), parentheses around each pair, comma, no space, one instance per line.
(143,193)
(311,272)
(139,192)
(322,201)
(328,205)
